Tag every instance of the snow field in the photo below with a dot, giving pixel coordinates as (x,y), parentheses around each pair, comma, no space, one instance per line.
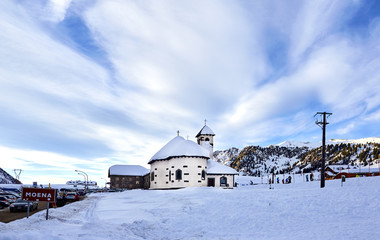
(289,211)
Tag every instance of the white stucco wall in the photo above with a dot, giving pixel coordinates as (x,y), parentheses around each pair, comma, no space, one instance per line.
(230,180)
(191,173)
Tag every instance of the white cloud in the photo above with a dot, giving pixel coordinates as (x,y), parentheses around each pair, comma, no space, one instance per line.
(55,10)
(256,71)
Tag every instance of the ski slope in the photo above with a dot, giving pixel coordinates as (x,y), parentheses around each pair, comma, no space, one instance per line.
(299,210)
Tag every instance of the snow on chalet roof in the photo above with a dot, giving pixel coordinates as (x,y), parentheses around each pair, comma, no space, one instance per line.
(205,131)
(128,170)
(214,167)
(179,147)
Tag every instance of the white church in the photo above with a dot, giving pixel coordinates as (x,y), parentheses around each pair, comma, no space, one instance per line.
(184,163)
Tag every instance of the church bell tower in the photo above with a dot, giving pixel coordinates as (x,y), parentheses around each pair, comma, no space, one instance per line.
(205,138)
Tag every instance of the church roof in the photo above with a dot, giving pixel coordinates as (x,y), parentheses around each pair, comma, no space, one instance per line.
(128,170)
(214,167)
(205,131)
(179,147)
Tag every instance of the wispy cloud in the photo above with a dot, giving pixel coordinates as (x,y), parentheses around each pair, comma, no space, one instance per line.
(108,82)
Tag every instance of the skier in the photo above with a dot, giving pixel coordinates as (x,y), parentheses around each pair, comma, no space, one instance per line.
(278,180)
(311,177)
(307,178)
(290,179)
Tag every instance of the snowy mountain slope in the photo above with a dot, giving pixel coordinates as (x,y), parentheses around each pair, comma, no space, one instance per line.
(6,178)
(257,161)
(293,156)
(299,144)
(355,141)
(226,156)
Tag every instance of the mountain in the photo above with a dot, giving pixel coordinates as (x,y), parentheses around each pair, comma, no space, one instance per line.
(343,153)
(257,161)
(293,156)
(5,178)
(226,156)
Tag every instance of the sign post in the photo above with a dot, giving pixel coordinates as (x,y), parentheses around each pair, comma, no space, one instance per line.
(27,210)
(40,195)
(343,180)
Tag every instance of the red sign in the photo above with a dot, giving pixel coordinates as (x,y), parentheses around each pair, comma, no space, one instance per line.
(38,194)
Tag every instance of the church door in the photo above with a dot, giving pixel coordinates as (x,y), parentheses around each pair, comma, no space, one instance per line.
(210,182)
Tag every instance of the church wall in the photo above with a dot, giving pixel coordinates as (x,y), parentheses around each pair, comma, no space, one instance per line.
(191,168)
(230,180)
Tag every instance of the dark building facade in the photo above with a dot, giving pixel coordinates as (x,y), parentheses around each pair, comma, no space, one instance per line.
(128,177)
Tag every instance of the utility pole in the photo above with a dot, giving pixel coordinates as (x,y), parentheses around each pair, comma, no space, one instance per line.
(323,124)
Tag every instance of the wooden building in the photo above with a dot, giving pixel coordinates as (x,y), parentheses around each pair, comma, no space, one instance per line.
(128,177)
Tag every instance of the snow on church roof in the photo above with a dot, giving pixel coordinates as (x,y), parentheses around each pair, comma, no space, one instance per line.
(128,170)
(205,131)
(179,147)
(214,167)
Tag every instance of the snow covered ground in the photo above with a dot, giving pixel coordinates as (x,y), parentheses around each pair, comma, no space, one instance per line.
(289,211)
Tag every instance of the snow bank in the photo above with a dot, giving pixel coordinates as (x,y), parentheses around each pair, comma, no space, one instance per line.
(290,211)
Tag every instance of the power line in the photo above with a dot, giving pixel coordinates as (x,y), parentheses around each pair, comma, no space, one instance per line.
(17,173)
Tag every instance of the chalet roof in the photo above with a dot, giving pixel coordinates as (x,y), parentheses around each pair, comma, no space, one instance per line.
(205,131)
(214,167)
(128,170)
(179,147)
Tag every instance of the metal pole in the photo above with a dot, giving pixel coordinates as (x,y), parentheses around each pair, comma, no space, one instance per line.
(86,181)
(323,151)
(27,211)
(323,126)
(47,211)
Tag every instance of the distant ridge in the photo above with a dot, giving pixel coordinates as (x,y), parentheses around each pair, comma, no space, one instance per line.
(331,141)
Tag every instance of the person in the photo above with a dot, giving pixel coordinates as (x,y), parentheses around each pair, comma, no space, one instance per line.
(278,180)
(290,179)
(307,178)
(311,177)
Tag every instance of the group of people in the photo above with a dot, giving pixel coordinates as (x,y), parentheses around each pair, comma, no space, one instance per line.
(289,179)
(311,177)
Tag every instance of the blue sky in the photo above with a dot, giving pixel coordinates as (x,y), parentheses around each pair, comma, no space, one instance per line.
(89,84)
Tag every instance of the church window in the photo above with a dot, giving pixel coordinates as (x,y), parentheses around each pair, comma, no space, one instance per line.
(199,166)
(170,175)
(186,174)
(137,182)
(152,176)
(223,181)
(178,174)
(185,166)
(207,139)
(203,174)
(186,181)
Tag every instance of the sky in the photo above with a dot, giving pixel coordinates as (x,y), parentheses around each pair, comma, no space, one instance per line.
(85,84)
